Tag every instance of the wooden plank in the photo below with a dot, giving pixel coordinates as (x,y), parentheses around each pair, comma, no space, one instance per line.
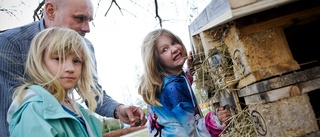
(216,10)
(208,42)
(284,92)
(280,81)
(281,21)
(239,3)
(308,86)
(197,50)
(265,73)
(219,12)
(260,5)
(236,100)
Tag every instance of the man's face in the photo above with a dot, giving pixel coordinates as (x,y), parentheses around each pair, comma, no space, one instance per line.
(76,15)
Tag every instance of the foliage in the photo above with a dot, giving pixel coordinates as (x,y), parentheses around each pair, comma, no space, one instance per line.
(145,110)
(111,124)
(111,128)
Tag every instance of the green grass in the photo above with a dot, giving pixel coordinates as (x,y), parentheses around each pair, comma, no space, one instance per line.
(145,133)
(205,112)
(141,134)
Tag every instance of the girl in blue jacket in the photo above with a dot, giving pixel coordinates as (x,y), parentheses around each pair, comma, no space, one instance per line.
(172,106)
(58,66)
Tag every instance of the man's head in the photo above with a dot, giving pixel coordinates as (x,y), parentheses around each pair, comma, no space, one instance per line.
(74,14)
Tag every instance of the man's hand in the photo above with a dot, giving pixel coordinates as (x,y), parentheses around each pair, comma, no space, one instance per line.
(132,115)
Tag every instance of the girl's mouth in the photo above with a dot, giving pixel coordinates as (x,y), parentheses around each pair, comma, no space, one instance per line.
(177,57)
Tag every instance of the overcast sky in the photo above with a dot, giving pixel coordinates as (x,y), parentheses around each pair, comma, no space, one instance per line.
(117,37)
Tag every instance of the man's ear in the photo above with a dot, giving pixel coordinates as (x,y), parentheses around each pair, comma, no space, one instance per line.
(50,10)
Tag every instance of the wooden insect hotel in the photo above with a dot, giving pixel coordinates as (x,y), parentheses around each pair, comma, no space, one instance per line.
(262,57)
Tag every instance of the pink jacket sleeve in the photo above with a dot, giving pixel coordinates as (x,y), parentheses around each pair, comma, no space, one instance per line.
(213,124)
(189,76)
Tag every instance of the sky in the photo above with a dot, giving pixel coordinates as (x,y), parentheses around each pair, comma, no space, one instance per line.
(117,37)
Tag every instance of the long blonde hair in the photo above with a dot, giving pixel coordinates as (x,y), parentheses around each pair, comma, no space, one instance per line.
(151,80)
(60,41)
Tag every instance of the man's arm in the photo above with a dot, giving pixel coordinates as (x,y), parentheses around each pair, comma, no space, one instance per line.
(107,107)
(11,74)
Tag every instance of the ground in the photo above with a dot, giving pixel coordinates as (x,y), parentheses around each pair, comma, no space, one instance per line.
(120,132)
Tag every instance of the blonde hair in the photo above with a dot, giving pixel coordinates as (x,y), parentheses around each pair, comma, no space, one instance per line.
(60,41)
(151,80)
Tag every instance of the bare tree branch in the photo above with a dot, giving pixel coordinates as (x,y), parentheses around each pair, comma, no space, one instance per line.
(97,8)
(157,14)
(10,13)
(38,11)
(115,2)
(135,3)
(2,31)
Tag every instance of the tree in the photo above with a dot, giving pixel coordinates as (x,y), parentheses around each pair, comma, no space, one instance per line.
(190,7)
(155,14)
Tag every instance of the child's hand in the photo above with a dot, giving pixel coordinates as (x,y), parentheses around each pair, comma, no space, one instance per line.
(190,63)
(223,116)
(190,60)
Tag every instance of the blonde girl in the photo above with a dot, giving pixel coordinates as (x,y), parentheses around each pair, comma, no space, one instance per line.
(172,107)
(58,65)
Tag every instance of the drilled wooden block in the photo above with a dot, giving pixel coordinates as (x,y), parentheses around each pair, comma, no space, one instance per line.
(259,55)
(290,117)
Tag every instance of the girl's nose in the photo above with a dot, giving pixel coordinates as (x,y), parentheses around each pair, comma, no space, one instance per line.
(69,66)
(174,49)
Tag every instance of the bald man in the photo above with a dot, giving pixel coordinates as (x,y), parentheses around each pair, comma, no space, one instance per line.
(14,47)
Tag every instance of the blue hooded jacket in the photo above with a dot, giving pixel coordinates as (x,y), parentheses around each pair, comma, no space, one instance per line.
(180,114)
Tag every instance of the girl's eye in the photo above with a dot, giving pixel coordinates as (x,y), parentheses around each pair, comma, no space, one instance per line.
(77,61)
(57,58)
(164,49)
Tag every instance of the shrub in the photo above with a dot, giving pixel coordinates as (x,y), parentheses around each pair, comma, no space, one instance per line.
(111,124)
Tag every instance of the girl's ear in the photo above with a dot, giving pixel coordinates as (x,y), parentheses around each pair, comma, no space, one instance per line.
(50,10)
